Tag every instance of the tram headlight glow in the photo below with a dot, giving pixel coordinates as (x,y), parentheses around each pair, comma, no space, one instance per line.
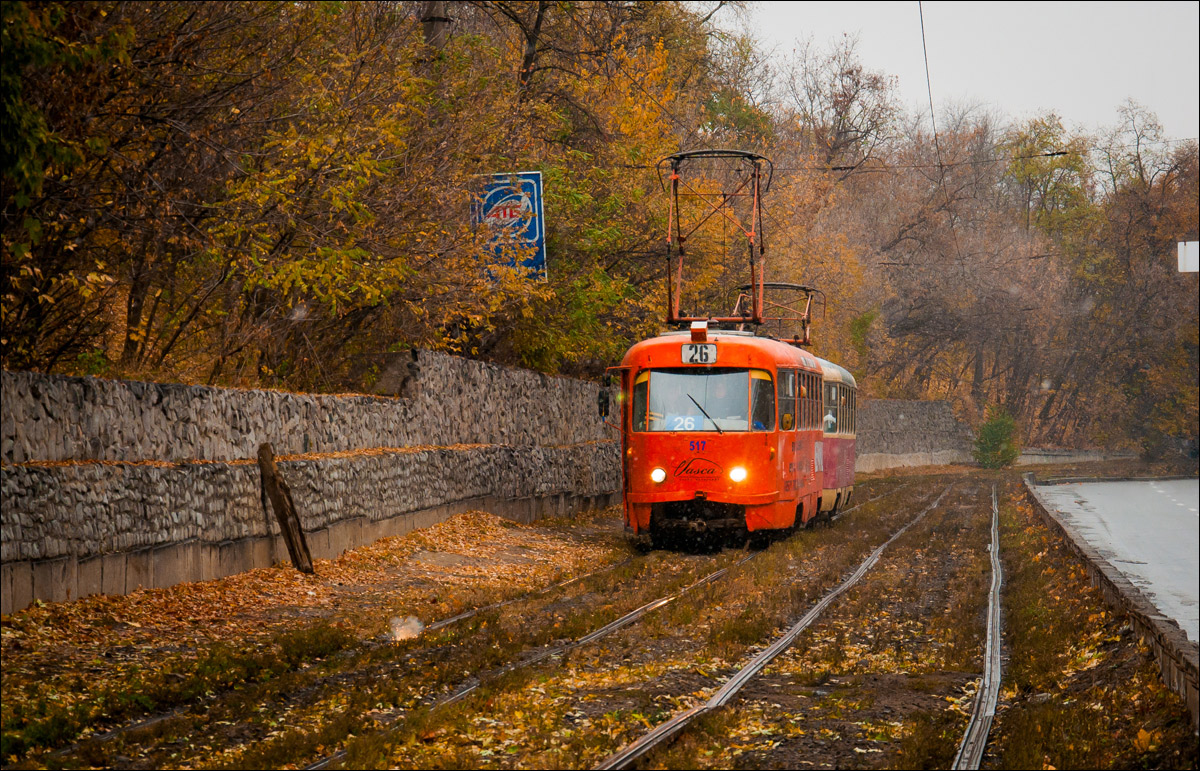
(737,474)
(658,474)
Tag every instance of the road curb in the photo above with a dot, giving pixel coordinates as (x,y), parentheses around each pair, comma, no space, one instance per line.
(1178,657)
(1084,480)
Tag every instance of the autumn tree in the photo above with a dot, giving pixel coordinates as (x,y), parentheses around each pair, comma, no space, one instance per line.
(279,193)
(277,190)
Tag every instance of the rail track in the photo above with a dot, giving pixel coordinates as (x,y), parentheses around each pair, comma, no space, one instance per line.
(504,603)
(665,731)
(970,752)
(474,683)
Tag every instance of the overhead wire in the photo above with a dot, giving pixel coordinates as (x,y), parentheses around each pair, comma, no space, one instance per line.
(929,89)
(892,167)
(936,144)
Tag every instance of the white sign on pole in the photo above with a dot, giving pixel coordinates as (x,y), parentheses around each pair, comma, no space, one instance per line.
(1189,256)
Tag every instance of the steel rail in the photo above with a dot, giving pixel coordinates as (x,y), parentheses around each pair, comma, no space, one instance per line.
(970,752)
(474,683)
(665,731)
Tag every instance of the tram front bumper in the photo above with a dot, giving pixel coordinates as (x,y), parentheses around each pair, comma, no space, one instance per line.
(758,510)
(714,496)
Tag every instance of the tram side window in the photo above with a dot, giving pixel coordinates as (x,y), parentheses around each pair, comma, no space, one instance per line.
(820,405)
(830,419)
(787,399)
(805,401)
(639,401)
(762,401)
(853,411)
(812,401)
(843,409)
(803,395)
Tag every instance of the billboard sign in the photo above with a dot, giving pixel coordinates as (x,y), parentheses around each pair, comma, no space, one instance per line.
(1189,256)
(510,206)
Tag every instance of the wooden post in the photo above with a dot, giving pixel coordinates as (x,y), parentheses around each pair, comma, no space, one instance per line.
(285,510)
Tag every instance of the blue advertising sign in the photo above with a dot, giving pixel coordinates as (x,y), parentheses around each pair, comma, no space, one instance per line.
(511,207)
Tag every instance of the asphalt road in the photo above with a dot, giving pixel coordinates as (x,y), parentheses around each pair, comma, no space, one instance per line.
(1147,530)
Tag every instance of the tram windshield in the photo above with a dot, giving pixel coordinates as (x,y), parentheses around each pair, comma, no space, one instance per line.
(710,399)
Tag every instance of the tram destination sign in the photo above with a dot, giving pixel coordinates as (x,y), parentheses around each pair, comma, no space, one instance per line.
(510,206)
(700,353)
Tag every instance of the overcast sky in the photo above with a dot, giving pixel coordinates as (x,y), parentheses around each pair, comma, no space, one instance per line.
(1081,60)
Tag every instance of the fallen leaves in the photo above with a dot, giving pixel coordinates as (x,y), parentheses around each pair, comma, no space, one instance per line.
(67,654)
(1145,741)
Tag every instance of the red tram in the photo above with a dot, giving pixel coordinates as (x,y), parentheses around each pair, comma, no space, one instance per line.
(723,430)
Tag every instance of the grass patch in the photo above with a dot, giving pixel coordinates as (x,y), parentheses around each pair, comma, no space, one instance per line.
(751,625)
(44,725)
(931,741)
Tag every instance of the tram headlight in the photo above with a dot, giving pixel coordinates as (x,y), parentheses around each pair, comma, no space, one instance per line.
(737,474)
(658,474)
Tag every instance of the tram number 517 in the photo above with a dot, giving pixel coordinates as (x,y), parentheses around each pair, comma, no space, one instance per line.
(695,353)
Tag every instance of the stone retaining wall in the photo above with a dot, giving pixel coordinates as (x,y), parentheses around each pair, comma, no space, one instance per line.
(84,510)
(53,418)
(900,432)
(108,485)
(81,529)
(879,461)
(1033,456)
(895,432)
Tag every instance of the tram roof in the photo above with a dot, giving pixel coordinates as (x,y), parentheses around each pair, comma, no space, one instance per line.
(779,349)
(836,372)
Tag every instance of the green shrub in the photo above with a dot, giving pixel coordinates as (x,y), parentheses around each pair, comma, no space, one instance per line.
(996,442)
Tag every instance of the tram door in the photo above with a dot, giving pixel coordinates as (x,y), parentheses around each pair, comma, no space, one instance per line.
(789,449)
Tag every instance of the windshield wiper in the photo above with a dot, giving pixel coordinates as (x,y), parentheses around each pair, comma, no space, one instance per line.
(710,417)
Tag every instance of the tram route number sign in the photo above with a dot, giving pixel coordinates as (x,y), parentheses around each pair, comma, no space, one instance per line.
(700,353)
(510,206)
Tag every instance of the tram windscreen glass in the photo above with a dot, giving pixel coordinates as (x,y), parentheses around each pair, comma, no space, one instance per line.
(694,400)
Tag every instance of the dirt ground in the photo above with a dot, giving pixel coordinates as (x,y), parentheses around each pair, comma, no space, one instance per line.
(272,668)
